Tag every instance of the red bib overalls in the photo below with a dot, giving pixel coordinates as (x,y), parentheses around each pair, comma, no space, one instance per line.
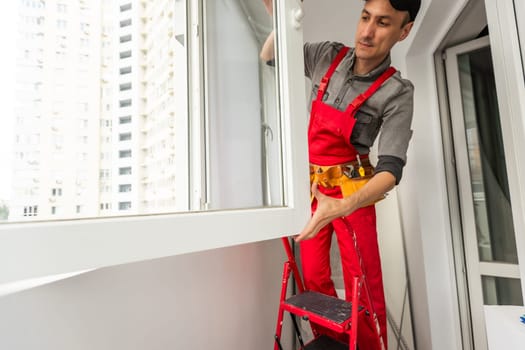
(329,144)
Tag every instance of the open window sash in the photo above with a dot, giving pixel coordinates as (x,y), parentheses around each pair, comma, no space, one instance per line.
(36,249)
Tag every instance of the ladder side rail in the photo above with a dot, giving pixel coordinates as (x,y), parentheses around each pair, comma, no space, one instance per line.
(297,330)
(297,276)
(364,285)
(280,316)
(356,288)
(293,263)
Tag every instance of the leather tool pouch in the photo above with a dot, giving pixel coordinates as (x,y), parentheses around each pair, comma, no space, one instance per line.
(346,176)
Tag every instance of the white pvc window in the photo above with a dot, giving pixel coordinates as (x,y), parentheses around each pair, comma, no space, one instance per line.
(224,86)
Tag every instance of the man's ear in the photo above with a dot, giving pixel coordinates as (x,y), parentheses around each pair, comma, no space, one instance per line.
(406,30)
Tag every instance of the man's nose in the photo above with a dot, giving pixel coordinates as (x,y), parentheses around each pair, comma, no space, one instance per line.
(369,29)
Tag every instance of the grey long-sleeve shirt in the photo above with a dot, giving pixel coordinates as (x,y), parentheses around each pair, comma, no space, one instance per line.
(388,113)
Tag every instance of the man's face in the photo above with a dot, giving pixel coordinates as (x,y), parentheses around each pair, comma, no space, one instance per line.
(379,28)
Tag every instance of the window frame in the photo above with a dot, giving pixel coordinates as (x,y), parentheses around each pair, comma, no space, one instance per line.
(36,249)
(505,34)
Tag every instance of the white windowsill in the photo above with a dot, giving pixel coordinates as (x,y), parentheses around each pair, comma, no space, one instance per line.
(19,286)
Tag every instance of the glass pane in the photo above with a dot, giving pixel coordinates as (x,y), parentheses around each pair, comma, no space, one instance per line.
(501,291)
(244,139)
(100,86)
(99,123)
(491,197)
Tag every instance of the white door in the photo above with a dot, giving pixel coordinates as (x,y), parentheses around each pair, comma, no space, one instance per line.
(487,227)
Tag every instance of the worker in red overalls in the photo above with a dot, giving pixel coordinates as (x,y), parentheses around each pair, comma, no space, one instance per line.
(356,96)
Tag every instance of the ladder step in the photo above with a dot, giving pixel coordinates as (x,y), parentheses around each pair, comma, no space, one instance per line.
(330,308)
(325,343)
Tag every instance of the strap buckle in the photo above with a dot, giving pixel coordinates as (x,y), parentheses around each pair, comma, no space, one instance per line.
(322,86)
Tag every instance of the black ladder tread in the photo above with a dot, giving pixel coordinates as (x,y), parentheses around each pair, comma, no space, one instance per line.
(329,307)
(325,343)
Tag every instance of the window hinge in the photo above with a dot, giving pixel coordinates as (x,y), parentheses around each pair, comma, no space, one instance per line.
(205,205)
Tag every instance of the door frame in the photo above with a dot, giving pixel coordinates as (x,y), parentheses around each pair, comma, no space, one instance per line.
(475,268)
(508,67)
(471,21)
(510,87)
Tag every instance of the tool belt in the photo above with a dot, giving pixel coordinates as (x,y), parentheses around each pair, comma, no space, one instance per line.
(350,176)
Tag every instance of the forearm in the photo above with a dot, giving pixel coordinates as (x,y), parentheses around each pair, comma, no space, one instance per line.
(268,48)
(375,189)
(329,208)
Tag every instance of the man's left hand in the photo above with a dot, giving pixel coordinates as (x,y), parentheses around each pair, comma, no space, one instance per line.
(328,209)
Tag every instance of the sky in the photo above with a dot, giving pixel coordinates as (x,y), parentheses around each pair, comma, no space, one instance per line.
(8,17)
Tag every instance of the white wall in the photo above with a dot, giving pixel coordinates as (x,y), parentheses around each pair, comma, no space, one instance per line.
(423,195)
(219,299)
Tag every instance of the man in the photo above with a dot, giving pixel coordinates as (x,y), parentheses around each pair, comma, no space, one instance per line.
(355,98)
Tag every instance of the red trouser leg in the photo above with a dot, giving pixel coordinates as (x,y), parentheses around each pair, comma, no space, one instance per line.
(315,261)
(363,222)
(315,264)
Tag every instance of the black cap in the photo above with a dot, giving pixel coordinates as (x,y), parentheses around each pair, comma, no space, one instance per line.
(412,6)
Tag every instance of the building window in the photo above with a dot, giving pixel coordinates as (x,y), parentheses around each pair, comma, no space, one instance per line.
(124,171)
(125,103)
(124,205)
(125,23)
(56,192)
(124,136)
(125,70)
(124,188)
(125,119)
(125,38)
(125,153)
(125,54)
(125,86)
(104,173)
(125,7)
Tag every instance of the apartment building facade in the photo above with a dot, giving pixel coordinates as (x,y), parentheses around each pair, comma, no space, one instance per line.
(97,107)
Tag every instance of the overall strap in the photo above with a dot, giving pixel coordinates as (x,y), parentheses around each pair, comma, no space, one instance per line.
(359,100)
(324,82)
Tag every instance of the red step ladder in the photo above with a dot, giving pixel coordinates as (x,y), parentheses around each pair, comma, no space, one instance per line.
(329,312)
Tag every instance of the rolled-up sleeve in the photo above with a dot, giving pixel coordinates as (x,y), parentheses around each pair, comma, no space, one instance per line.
(393,165)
